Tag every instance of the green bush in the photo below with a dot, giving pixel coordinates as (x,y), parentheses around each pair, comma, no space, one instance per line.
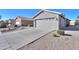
(76,28)
(67,25)
(2,24)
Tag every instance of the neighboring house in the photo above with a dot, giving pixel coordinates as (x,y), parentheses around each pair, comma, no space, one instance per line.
(22,21)
(46,19)
(77,23)
(72,23)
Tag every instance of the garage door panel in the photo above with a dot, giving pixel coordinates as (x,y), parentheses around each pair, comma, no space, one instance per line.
(46,24)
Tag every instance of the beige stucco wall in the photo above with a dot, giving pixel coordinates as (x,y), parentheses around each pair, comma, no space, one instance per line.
(27,22)
(46,15)
(42,23)
(24,22)
(62,22)
(18,21)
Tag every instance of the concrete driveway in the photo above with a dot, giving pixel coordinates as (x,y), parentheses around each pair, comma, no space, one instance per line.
(15,40)
(70,41)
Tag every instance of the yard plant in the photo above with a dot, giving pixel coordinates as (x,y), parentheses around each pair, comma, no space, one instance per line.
(57,33)
(61,32)
(2,24)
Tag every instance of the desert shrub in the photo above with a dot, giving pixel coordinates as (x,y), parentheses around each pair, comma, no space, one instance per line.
(55,34)
(76,28)
(61,32)
(58,33)
(67,25)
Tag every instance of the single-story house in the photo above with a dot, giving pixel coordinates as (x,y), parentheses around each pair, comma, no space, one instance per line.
(72,23)
(46,19)
(23,21)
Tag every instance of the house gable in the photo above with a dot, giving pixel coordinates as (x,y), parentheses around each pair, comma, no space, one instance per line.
(45,14)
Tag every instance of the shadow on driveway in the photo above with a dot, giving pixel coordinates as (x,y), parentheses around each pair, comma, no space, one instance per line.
(67,35)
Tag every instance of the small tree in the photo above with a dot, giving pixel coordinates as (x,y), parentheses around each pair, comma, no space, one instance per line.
(78,17)
(0,17)
(77,21)
(2,24)
(6,21)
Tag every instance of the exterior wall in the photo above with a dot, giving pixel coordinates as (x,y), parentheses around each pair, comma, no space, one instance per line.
(25,22)
(47,20)
(45,15)
(62,22)
(18,21)
(34,23)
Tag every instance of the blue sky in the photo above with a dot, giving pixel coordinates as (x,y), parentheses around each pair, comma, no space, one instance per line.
(13,13)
